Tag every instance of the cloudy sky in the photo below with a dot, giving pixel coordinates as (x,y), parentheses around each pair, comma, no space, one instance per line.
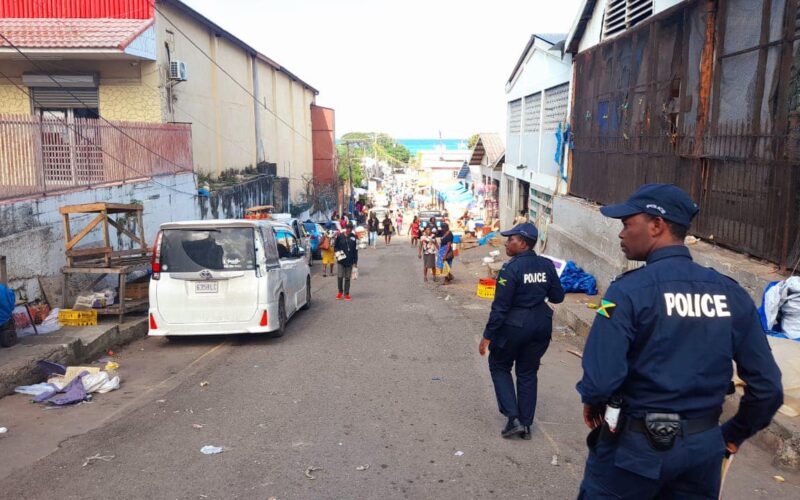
(409,68)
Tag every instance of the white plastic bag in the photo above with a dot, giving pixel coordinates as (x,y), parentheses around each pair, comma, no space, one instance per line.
(783,300)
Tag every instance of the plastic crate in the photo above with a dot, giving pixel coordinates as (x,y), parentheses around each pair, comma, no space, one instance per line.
(486,291)
(68,317)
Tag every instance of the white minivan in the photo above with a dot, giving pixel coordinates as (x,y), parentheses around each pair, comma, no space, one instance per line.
(227,276)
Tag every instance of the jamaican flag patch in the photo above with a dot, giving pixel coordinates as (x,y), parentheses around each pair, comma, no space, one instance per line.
(606,308)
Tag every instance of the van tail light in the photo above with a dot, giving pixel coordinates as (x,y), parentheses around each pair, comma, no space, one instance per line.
(153,325)
(156,263)
(264,319)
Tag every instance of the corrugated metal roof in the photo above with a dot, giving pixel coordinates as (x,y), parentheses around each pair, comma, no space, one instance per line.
(120,9)
(489,144)
(60,33)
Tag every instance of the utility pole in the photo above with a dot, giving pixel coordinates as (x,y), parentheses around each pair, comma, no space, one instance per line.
(350,177)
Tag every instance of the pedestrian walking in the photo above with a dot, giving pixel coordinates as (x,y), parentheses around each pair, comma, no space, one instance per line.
(326,249)
(660,355)
(372,230)
(346,252)
(399,222)
(387,229)
(413,230)
(447,251)
(428,248)
(519,328)
(433,226)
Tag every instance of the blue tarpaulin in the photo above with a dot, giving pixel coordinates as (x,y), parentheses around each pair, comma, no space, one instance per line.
(7,301)
(576,280)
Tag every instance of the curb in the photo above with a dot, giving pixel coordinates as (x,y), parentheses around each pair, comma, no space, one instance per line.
(781,437)
(23,371)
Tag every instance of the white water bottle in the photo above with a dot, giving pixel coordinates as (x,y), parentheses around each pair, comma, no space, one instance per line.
(613,410)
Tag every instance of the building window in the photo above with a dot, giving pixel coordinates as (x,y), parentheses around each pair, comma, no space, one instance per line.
(621,15)
(514,116)
(533,113)
(555,106)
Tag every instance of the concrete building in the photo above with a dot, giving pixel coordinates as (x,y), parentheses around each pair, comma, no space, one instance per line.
(132,61)
(537,92)
(486,165)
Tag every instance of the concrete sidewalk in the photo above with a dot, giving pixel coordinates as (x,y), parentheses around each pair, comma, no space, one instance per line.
(68,346)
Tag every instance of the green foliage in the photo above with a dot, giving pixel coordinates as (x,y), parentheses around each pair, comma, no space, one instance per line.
(348,161)
(473,140)
(377,144)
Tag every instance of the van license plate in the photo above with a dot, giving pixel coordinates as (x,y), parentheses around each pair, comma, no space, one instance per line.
(210,287)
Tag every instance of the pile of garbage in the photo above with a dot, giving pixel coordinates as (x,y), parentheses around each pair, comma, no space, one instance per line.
(71,385)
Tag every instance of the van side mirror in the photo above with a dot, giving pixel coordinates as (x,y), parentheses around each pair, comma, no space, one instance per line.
(298,252)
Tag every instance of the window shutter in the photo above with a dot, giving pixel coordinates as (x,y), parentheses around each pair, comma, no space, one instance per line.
(621,15)
(64,98)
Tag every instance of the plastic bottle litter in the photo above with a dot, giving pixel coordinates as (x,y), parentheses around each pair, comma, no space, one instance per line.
(210,450)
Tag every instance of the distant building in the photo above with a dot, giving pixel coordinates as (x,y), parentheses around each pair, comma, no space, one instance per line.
(486,164)
(537,92)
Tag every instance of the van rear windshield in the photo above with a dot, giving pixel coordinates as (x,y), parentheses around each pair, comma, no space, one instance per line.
(222,249)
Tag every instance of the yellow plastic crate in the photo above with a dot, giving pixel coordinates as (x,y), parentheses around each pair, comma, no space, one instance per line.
(68,317)
(486,291)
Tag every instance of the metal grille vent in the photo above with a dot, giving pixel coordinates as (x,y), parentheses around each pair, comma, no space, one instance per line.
(65,98)
(621,15)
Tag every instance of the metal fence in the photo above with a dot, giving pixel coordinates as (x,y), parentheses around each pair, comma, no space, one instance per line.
(47,155)
(693,97)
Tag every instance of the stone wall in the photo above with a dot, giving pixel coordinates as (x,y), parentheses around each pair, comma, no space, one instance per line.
(13,101)
(135,103)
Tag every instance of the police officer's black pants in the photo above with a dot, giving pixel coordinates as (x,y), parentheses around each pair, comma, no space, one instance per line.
(523,351)
(632,469)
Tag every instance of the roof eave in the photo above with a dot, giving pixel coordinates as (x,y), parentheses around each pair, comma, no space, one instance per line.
(579,26)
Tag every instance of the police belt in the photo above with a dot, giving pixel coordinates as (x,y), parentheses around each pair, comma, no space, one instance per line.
(688,427)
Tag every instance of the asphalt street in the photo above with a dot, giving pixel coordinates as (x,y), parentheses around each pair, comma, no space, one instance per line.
(385,395)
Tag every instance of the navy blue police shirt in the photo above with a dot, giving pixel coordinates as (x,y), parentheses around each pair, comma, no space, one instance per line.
(523,283)
(664,339)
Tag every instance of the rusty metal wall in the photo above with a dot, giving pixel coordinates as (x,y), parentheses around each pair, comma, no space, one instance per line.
(47,155)
(659,104)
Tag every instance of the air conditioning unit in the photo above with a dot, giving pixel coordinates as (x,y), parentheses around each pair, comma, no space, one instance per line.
(177,71)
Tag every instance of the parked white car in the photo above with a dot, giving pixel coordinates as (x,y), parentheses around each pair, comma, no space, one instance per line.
(227,276)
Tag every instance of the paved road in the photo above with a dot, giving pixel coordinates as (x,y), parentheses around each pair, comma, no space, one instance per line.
(391,380)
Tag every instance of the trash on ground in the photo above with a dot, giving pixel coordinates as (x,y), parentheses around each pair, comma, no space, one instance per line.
(35,389)
(3,430)
(49,368)
(576,280)
(104,458)
(779,479)
(197,426)
(111,365)
(447,298)
(311,469)
(210,450)
(575,353)
(363,467)
(691,240)
(437,378)
(204,383)
(554,461)
(494,253)
(459,453)
(161,401)
(781,308)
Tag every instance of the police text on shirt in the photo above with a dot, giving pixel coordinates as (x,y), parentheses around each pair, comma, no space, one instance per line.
(534,278)
(695,305)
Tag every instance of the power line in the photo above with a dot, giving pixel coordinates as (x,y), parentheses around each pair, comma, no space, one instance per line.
(245,89)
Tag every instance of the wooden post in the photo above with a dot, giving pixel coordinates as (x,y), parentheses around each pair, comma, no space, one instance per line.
(3,271)
(140,221)
(106,239)
(122,284)
(67,237)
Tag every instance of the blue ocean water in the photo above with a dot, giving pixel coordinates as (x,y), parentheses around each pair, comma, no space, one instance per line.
(415,145)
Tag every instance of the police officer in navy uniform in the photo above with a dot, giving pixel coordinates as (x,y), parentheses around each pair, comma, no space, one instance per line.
(661,348)
(519,327)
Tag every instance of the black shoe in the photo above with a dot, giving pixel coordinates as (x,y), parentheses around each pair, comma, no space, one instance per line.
(526,434)
(513,428)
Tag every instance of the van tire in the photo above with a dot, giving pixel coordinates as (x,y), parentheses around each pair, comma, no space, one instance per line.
(8,334)
(307,305)
(282,319)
